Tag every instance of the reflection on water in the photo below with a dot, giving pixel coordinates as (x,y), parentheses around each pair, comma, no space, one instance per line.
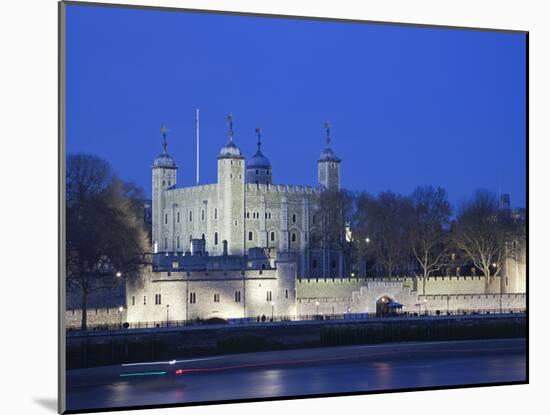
(322,378)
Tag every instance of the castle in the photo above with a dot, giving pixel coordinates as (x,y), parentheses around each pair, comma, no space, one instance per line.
(244,208)
(241,248)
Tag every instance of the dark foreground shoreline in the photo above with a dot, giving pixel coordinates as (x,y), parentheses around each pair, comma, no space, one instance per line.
(109,348)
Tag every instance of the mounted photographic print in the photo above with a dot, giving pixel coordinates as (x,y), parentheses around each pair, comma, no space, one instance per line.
(259,207)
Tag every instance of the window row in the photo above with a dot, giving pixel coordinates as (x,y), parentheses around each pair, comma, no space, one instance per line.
(190,216)
(256,215)
(237,297)
(193,298)
(248,215)
(158,299)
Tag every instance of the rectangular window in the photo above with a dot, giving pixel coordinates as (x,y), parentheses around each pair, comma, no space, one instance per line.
(269,296)
(166,218)
(237,296)
(286,293)
(178,217)
(157,299)
(192,298)
(133,300)
(216,298)
(144,300)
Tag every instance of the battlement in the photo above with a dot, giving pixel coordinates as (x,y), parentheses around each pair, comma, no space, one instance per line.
(281,188)
(472,296)
(455,278)
(192,190)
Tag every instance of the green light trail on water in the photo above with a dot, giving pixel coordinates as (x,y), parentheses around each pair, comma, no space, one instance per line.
(142,374)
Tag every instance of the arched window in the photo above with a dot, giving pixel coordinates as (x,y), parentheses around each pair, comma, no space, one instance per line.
(294,218)
(190,238)
(202,214)
(178,242)
(215,238)
(190,216)
(165,242)
(250,235)
(166,218)
(293,237)
(178,217)
(272,236)
(202,236)
(215,213)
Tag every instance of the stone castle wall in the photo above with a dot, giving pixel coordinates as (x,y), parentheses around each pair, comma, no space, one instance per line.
(254,293)
(96,316)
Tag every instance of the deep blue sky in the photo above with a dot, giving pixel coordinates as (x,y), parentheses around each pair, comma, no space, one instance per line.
(409,106)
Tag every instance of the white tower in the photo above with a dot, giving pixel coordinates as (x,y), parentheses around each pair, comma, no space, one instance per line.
(231,194)
(328,166)
(164,176)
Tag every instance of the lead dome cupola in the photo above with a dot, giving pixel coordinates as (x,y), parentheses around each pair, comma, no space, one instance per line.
(230,149)
(164,160)
(258,160)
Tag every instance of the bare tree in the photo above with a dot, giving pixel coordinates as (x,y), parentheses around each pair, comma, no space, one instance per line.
(431,212)
(385,221)
(480,234)
(336,214)
(106,236)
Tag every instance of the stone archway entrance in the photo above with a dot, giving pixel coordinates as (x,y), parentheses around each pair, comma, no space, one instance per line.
(382,308)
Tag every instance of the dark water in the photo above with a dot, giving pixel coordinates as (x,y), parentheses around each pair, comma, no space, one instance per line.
(300,372)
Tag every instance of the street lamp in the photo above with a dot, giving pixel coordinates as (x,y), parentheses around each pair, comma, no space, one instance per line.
(118,274)
(367,240)
(120,309)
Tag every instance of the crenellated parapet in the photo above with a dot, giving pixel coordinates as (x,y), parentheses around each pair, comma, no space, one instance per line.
(281,188)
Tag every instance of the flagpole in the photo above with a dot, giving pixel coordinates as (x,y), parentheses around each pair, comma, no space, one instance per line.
(198,143)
